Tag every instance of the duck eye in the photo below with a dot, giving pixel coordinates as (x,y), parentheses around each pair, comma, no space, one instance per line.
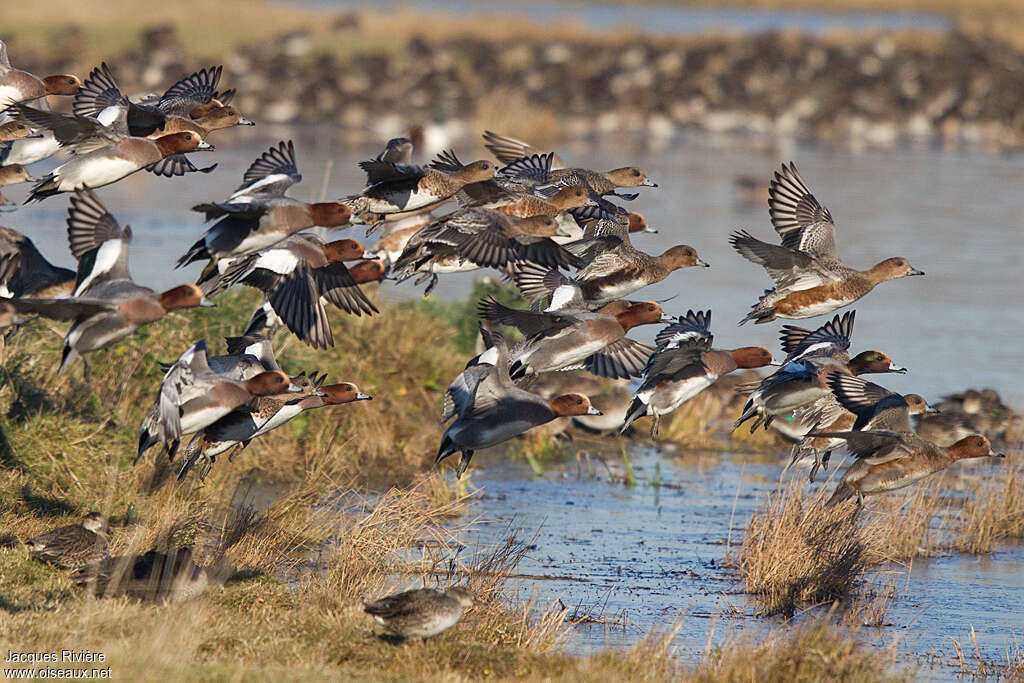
(579,401)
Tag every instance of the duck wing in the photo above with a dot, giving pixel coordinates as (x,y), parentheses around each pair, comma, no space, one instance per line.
(336,284)
(506,149)
(872,403)
(788,268)
(97,241)
(272,173)
(690,330)
(833,335)
(802,222)
(176,165)
(191,91)
(621,359)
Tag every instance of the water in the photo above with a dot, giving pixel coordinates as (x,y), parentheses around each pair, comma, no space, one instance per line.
(646,557)
(954,215)
(657,18)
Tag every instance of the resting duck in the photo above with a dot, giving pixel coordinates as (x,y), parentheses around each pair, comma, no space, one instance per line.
(75,545)
(810,279)
(420,613)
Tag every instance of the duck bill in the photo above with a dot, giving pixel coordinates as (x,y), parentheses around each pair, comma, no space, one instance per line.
(997,455)
(914,271)
(293,389)
(593,411)
(206,303)
(360,396)
(932,409)
(649,229)
(649,183)
(897,369)
(703,264)
(204,146)
(245,122)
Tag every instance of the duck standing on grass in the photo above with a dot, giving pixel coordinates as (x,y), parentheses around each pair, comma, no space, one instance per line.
(420,613)
(810,279)
(73,546)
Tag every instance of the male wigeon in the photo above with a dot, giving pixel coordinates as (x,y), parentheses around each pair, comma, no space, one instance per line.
(853,404)
(614,269)
(420,613)
(296,275)
(810,279)
(683,365)
(811,355)
(154,576)
(576,338)
(192,396)
(238,428)
(106,156)
(888,460)
(490,409)
(485,238)
(106,305)
(24,272)
(16,130)
(258,214)
(75,545)
(397,188)
(21,86)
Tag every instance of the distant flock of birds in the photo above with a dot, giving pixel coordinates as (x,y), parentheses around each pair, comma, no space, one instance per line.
(530,216)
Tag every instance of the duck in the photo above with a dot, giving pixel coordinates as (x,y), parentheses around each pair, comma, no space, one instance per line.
(73,546)
(489,409)
(259,214)
(21,86)
(683,365)
(853,404)
(614,269)
(482,238)
(239,427)
(106,304)
(109,157)
(811,355)
(489,195)
(605,219)
(398,188)
(420,613)
(576,337)
(12,175)
(549,172)
(16,130)
(810,279)
(888,460)
(153,576)
(297,275)
(25,272)
(192,396)
(393,242)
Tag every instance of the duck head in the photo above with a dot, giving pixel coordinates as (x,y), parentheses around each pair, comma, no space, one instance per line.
(571,405)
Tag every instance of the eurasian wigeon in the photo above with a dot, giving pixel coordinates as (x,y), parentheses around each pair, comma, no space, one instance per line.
(397,188)
(192,397)
(14,174)
(614,269)
(392,243)
(106,305)
(810,279)
(853,404)
(487,195)
(811,355)
(153,576)
(241,426)
(16,130)
(24,272)
(259,215)
(576,338)
(608,220)
(490,409)
(888,460)
(683,365)
(21,86)
(420,613)
(296,275)
(484,238)
(75,545)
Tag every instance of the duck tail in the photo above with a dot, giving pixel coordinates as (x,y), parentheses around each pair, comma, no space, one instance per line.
(636,410)
(147,439)
(68,356)
(46,187)
(842,493)
(196,252)
(749,411)
(447,448)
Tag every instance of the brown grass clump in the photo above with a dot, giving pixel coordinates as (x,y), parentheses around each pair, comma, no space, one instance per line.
(995,510)
(796,551)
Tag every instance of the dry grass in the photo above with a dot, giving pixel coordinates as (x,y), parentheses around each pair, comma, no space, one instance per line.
(995,510)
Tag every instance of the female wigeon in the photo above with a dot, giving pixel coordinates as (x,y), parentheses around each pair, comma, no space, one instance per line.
(296,275)
(888,460)
(484,238)
(216,119)
(117,159)
(487,195)
(853,405)
(811,356)
(810,279)
(608,220)
(241,426)
(16,130)
(75,545)
(420,613)
(576,338)
(24,272)
(106,305)
(14,174)
(170,576)
(490,409)
(192,397)
(683,365)
(614,269)
(396,188)
(259,214)
(21,86)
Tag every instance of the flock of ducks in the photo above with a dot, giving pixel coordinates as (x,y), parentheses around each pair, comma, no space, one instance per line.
(556,231)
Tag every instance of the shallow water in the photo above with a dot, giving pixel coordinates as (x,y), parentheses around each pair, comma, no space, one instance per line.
(659,18)
(646,557)
(955,215)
